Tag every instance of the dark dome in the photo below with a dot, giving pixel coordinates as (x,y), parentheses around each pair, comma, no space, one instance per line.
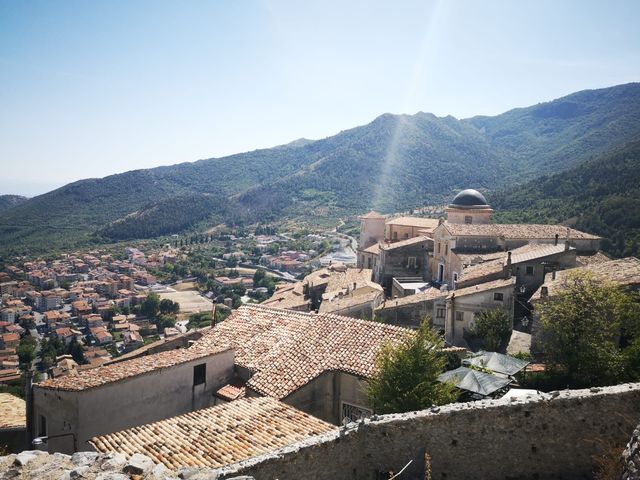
(469,198)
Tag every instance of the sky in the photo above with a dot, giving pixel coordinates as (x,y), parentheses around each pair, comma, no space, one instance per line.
(92,88)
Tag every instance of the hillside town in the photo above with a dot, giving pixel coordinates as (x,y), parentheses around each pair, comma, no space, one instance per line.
(90,341)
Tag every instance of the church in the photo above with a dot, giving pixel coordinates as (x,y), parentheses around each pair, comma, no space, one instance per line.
(443,251)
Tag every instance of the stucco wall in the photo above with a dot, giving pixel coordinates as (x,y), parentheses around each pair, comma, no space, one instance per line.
(497,439)
(323,396)
(134,401)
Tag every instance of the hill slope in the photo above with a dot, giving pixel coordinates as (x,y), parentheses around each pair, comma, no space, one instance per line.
(10,201)
(601,196)
(395,162)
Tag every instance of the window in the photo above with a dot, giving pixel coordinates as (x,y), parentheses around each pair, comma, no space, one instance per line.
(395,235)
(199,374)
(440,312)
(446,249)
(411,262)
(42,431)
(438,247)
(369,262)
(498,297)
(468,219)
(529,270)
(354,412)
(406,235)
(459,316)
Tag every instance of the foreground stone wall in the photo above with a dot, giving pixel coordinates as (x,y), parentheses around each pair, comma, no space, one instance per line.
(535,438)
(631,457)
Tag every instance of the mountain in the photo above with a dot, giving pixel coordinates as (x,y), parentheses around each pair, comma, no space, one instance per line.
(10,201)
(396,162)
(602,196)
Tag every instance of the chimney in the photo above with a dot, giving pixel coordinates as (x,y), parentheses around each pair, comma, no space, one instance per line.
(553,275)
(566,245)
(440,221)
(507,268)
(544,292)
(556,241)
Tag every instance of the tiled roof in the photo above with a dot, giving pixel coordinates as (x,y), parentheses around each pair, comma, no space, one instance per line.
(483,287)
(232,390)
(516,230)
(290,296)
(534,254)
(429,294)
(624,271)
(405,243)
(216,436)
(372,214)
(481,270)
(587,260)
(287,349)
(127,369)
(13,412)
(420,222)
(374,249)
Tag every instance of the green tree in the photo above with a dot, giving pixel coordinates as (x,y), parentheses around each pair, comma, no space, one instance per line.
(26,350)
(494,327)
(407,375)
(168,306)
(151,305)
(76,351)
(590,332)
(165,321)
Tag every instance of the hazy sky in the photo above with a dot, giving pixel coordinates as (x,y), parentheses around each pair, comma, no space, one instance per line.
(90,88)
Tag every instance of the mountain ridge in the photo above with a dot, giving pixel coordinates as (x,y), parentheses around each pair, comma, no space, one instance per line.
(395,162)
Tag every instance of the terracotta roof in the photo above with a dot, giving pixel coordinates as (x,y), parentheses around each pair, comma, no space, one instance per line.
(375,249)
(429,294)
(128,369)
(587,260)
(420,222)
(483,287)
(516,230)
(287,349)
(232,390)
(624,271)
(291,296)
(372,214)
(13,412)
(216,436)
(405,243)
(474,272)
(534,254)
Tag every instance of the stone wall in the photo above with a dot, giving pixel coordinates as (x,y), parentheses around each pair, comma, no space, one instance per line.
(556,437)
(631,457)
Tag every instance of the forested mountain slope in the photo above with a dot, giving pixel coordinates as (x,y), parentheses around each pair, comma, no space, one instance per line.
(395,162)
(601,196)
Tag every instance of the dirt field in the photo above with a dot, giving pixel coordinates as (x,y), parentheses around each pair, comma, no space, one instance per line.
(190,301)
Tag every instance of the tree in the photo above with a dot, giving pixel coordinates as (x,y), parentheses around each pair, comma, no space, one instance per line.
(165,321)
(151,305)
(407,374)
(169,306)
(590,332)
(26,350)
(494,327)
(76,351)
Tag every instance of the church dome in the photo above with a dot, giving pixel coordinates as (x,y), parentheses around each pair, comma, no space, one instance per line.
(469,198)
